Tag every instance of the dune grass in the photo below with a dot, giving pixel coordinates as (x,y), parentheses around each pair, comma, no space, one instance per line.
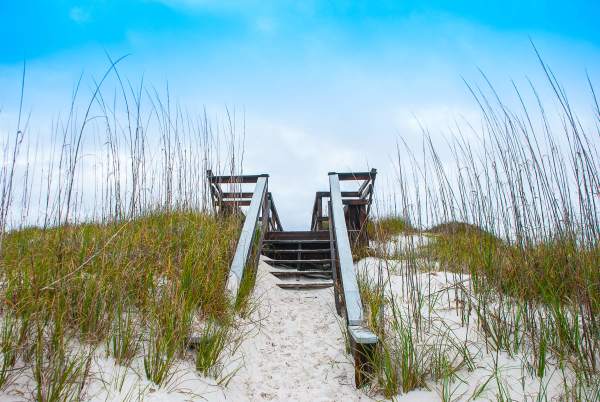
(509,219)
(557,270)
(135,287)
(108,243)
(388,226)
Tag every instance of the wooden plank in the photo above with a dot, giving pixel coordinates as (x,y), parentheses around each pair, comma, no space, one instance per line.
(237,203)
(367,182)
(237,195)
(354,194)
(302,241)
(313,220)
(337,297)
(361,334)
(305,286)
(298,235)
(353,303)
(353,175)
(289,272)
(307,273)
(363,342)
(275,216)
(244,179)
(364,193)
(295,250)
(355,202)
(276,261)
(242,250)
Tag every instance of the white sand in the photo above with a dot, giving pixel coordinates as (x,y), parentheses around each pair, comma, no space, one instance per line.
(493,373)
(294,352)
(298,353)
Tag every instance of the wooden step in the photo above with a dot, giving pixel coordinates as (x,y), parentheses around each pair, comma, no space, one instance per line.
(295,250)
(305,285)
(306,274)
(276,261)
(298,235)
(293,255)
(302,241)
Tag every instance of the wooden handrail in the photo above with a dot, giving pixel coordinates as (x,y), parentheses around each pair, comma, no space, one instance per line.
(353,303)
(242,251)
(362,339)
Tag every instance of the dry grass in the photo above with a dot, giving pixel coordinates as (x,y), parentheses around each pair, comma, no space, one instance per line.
(514,221)
(108,244)
(138,287)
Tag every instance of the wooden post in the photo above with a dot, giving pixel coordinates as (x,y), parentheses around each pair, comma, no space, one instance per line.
(363,343)
(363,362)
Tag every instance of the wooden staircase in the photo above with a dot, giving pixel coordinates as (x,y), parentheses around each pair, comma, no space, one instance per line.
(319,258)
(300,259)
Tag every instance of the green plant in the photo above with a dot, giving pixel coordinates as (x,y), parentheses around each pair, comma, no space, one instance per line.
(209,347)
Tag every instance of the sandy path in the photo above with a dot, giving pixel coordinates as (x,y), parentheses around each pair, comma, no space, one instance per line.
(294,351)
(298,352)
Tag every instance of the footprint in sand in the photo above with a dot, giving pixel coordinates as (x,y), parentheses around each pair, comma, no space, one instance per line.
(267,396)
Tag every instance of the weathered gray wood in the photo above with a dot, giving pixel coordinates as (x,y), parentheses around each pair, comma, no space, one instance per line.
(237,195)
(239,203)
(293,250)
(242,250)
(305,285)
(277,226)
(304,274)
(287,241)
(298,235)
(363,362)
(354,308)
(244,179)
(337,297)
(363,340)
(361,334)
(277,261)
(355,175)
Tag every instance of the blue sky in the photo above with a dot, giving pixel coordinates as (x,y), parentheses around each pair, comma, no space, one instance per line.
(312,78)
(40,28)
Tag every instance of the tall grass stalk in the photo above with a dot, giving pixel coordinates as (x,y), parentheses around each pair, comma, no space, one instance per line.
(510,213)
(107,236)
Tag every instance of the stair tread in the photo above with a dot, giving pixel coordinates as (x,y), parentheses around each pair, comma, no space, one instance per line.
(299,233)
(275,261)
(308,271)
(280,274)
(295,241)
(303,268)
(295,250)
(305,285)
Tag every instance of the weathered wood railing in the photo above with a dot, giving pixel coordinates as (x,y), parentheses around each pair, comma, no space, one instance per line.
(357,205)
(346,290)
(346,218)
(260,217)
(242,251)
